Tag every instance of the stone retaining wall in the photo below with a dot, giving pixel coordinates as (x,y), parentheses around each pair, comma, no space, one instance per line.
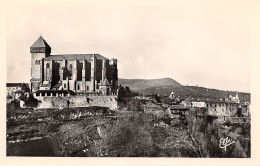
(78,101)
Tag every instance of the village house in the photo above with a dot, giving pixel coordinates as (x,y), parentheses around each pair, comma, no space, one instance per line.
(172,95)
(228,107)
(176,111)
(15,90)
(186,103)
(233,98)
(245,109)
(222,108)
(11,88)
(199,104)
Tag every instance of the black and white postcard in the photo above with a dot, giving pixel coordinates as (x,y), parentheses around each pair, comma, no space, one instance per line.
(131,82)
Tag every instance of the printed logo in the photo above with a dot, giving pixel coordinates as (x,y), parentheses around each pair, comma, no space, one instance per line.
(224,142)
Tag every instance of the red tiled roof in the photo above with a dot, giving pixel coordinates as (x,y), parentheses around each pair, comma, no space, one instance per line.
(71,57)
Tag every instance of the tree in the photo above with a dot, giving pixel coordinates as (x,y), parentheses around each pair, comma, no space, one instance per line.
(135,105)
(25,87)
(13,105)
(157,98)
(127,91)
(130,137)
(31,101)
(121,94)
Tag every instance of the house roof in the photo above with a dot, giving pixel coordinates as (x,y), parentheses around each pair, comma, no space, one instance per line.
(214,101)
(35,79)
(13,84)
(71,57)
(19,91)
(57,85)
(178,107)
(40,43)
(230,102)
(45,85)
(52,91)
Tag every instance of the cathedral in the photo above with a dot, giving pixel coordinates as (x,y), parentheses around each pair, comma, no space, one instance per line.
(71,73)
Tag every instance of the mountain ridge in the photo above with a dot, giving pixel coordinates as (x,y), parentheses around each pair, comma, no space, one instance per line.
(165,86)
(138,84)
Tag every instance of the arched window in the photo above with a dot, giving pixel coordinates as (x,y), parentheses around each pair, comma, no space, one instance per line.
(47,72)
(78,87)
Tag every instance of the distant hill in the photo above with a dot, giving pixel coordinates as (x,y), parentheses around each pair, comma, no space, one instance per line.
(167,85)
(195,92)
(140,84)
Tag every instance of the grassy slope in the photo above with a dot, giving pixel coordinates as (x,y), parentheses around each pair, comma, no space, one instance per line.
(137,84)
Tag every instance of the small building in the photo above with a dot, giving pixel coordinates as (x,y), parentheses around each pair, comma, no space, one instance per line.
(18,94)
(222,108)
(233,98)
(176,111)
(172,95)
(186,103)
(15,90)
(200,104)
(245,109)
(11,88)
(159,123)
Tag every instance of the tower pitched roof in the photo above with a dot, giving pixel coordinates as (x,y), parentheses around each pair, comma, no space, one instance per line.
(40,42)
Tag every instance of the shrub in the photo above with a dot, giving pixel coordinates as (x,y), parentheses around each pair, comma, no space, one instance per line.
(13,105)
(31,101)
(206,132)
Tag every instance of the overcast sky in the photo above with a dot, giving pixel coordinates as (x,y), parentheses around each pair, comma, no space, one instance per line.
(205,43)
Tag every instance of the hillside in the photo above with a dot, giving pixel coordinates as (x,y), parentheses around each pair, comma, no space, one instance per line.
(139,84)
(195,92)
(165,86)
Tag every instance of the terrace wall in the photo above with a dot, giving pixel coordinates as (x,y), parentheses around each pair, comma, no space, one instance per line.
(78,101)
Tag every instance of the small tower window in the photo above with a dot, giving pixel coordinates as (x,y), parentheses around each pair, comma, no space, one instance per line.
(37,62)
(78,87)
(70,68)
(47,72)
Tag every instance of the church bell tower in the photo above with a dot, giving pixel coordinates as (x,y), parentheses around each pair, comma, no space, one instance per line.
(39,50)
